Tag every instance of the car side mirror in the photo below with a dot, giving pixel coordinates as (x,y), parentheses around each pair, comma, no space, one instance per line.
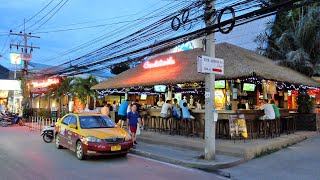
(73,126)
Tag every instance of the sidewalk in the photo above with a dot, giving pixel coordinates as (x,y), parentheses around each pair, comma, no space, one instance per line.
(184,157)
(192,148)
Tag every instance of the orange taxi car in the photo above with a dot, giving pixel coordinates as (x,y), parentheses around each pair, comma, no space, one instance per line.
(91,134)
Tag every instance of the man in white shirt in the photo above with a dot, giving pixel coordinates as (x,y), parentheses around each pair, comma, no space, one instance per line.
(268,111)
(165,109)
(160,102)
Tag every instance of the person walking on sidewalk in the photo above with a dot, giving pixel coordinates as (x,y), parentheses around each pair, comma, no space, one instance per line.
(133,120)
(122,112)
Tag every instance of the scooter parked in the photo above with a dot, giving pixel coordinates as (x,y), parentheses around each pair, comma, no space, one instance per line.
(47,134)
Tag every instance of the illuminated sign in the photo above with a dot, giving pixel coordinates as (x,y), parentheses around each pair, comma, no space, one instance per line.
(44,83)
(4,94)
(15,58)
(184,47)
(159,63)
(10,85)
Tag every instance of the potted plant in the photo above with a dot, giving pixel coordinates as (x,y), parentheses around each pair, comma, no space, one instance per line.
(306,119)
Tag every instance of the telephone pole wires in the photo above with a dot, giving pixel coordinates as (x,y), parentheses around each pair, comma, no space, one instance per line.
(25,56)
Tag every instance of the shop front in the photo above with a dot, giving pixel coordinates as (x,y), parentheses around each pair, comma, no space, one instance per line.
(10,96)
(248,79)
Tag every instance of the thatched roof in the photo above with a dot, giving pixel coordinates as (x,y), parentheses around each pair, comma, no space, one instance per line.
(239,63)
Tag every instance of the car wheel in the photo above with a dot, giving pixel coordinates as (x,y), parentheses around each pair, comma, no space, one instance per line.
(79,151)
(58,146)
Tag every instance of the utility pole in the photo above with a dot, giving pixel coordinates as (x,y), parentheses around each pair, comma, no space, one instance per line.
(210,126)
(25,54)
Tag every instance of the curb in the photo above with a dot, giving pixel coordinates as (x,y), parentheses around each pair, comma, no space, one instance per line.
(201,166)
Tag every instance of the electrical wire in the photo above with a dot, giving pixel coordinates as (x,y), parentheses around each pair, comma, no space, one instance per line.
(162,46)
(45,15)
(112,34)
(51,15)
(254,14)
(34,15)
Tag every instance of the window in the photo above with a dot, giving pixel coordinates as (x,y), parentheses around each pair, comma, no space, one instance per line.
(73,120)
(90,122)
(66,120)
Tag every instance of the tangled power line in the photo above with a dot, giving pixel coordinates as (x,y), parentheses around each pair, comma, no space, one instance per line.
(140,44)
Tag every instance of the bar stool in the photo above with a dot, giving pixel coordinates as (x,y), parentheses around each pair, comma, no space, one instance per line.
(161,124)
(196,127)
(288,124)
(187,126)
(173,125)
(266,127)
(222,127)
(278,127)
(250,126)
(147,123)
(153,120)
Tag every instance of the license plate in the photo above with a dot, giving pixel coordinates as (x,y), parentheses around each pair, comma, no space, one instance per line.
(115,148)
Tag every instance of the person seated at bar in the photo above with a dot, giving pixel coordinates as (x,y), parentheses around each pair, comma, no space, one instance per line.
(268,111)
(186,111)
(160,102)
(105,109)
(176,109)
(276,109)
(166,109)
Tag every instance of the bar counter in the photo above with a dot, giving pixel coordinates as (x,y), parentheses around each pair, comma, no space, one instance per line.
(199,115)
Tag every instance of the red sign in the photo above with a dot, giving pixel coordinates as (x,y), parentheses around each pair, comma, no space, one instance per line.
(159,63)
(44,83)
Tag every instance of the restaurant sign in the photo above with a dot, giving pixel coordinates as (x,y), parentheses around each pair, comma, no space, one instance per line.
(44,83)
(210,65)
(159,63)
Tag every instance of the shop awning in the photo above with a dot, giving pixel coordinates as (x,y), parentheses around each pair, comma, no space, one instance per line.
(181,67)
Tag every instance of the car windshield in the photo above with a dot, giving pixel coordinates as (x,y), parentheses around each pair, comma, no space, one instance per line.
(90,122)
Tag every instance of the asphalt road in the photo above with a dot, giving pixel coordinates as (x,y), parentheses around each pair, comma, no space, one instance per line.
(298,162)
(25,156)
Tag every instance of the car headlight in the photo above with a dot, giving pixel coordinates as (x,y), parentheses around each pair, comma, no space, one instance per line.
(92,139)
(128,137)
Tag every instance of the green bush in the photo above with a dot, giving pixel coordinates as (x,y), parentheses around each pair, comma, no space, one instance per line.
(305,104)
(26,112)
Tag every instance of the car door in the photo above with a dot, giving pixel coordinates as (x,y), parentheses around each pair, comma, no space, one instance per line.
(63,131)
(72,134)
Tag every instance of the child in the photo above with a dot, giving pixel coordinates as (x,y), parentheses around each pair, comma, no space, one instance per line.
(132,122)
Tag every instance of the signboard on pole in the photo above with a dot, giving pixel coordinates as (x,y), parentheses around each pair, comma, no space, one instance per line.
(10,85)
(26,56)
(15,58)
(210,65)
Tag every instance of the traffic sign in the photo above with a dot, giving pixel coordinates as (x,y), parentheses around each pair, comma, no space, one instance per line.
(210,65)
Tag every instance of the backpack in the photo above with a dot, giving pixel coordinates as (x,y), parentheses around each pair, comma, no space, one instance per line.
(176,112)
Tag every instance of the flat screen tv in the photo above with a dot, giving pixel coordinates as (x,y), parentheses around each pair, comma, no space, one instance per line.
(143,97)
(220,84)
(160,88)
(249,87)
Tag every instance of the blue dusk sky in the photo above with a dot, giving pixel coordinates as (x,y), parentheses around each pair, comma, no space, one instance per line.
(105,14)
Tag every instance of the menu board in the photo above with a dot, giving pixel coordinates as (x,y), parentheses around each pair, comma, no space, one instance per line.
(238,127)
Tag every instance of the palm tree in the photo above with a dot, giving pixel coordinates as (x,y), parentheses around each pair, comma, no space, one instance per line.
(82,89)
(64,88)
(298,43)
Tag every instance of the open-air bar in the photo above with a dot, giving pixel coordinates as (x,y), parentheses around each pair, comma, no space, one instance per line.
(248,79)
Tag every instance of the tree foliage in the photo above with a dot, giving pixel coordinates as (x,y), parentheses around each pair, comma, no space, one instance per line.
(82,88)
(293,39)
(119,68)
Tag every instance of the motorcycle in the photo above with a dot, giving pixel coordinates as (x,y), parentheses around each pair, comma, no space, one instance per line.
(47,134)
